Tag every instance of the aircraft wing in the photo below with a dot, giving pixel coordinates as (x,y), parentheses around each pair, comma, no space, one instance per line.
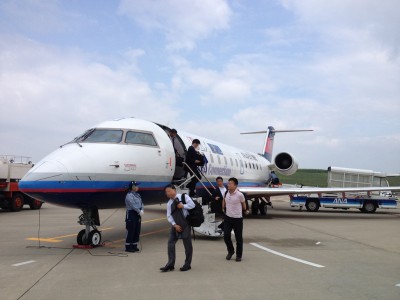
(265,191)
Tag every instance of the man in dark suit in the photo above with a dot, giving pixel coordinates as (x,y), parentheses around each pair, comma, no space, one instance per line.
(218,196)
(193,160)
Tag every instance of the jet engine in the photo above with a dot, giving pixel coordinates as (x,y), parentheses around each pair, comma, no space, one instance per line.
(285,163)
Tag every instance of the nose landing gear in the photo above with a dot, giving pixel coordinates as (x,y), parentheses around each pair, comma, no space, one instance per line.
(90,235)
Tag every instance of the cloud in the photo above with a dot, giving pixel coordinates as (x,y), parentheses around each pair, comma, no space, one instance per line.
(240,80)
(183,22)
(376,18)
(50,100)
(41,16)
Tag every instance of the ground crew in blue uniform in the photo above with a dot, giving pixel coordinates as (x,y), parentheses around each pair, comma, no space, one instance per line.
(134,212)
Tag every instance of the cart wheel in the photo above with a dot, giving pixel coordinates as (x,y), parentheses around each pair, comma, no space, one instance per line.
(369,207)
(35,204)
(17,202)
(312,205)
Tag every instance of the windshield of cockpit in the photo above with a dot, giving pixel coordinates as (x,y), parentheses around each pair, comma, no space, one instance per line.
(101,136)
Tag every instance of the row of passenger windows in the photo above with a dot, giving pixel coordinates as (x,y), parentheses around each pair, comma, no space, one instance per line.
(116,135)
(254,166)
(143,138)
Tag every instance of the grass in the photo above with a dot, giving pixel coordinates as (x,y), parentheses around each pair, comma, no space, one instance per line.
(319,178)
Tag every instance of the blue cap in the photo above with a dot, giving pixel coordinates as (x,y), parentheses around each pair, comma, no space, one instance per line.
(133,183)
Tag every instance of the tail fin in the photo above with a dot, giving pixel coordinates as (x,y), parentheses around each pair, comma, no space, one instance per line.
(269,140)
(269,143)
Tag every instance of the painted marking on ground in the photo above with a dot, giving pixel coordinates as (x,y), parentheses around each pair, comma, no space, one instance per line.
(287,256)
(24,263)
(398,284)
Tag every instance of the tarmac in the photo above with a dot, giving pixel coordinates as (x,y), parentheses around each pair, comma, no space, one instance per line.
(288,254)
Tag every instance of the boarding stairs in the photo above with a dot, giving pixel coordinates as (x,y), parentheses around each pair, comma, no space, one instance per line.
(210,224)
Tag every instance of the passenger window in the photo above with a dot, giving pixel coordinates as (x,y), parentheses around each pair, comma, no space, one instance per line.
(231,161)
(103,136)
(219,160)
(237,165)
(212,158)
(140,138)
(245,163)
(226,162)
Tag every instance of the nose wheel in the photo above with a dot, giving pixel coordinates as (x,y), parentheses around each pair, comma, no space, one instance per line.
(94,237)
(90,235)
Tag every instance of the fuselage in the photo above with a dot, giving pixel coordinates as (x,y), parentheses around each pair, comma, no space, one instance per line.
(95,169)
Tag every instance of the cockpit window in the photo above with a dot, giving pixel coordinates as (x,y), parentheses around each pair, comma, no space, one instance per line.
(102,136)
(141,138)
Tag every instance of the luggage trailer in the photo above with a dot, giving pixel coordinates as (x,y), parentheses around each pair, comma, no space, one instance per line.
(365,202)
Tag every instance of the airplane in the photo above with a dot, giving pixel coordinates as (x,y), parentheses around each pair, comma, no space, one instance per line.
(93,171)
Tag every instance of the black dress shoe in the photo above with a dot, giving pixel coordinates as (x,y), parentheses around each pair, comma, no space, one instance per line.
(229,256)
(238,259)
(167,268)
(185,268)
(132,250)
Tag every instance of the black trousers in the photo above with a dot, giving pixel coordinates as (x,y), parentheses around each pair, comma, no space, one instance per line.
(133,225)
(237,225)
(187,243)
(192,184)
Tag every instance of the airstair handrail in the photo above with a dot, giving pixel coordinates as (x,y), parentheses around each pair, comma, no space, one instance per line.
(194,175)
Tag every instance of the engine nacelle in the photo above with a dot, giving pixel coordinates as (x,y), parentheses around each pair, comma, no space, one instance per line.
(285,163)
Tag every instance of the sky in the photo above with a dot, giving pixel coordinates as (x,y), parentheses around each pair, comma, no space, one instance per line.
(211,67)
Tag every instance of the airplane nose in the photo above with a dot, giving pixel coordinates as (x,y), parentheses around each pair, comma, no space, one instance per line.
(47,170)
(42,175)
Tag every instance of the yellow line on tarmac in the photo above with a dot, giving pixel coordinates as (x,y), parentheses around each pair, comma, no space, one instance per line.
(44,240)
(154,220)
(56,239)
(115,243)
(69,235)
(153,232)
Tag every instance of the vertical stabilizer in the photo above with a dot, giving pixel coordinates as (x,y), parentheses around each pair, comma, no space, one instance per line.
(269,143)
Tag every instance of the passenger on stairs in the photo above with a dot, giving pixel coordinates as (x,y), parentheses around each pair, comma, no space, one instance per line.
(193,160)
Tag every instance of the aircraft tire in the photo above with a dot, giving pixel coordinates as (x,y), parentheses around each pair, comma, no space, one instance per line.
(94,238)
(80,239)
(312,205)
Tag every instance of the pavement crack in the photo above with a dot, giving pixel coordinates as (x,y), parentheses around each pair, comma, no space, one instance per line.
(44,275)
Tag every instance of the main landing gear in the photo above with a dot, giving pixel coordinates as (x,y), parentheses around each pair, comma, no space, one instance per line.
(90,235)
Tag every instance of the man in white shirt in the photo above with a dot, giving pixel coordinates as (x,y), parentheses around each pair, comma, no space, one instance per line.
(177,213)
(235,203)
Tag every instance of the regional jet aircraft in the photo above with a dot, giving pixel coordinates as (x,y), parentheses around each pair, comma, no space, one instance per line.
(93,171)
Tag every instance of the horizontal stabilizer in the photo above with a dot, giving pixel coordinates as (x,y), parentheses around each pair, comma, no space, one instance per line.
(269,139)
